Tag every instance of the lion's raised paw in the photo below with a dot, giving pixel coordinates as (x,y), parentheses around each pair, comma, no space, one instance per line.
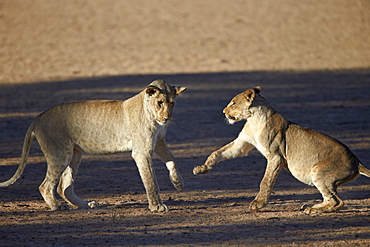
(177,181)
(200,170)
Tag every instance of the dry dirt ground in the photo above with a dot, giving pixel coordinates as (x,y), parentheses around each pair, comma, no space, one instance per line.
(310,57)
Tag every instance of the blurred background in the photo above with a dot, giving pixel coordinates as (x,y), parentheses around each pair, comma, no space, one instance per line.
(47,40)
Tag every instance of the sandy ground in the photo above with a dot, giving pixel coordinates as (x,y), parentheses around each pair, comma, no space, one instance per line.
(50,40)
(312,59)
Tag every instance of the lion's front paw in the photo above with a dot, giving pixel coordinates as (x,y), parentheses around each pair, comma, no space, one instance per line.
(178,184)
(177,181)
(158,208)
(200,170)
(256,205)
(93,204)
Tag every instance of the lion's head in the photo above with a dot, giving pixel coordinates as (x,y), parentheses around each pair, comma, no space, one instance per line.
(161,98)
(239,107)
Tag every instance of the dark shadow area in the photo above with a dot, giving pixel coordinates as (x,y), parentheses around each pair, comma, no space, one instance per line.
(302,97)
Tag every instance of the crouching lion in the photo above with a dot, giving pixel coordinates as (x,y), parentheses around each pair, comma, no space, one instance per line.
(138,124)
(311,157)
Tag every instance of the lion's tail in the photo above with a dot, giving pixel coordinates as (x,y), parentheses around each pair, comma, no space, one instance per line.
(25,151)
(363,170)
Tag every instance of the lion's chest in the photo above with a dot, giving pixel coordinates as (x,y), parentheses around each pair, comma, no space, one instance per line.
(298,166)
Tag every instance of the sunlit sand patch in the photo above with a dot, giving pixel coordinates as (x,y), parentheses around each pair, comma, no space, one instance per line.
(19,114)
(15,161)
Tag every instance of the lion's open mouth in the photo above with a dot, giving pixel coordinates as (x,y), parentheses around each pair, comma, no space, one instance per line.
(231,120)
(163,122)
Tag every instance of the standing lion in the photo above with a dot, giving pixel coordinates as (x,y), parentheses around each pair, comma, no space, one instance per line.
(138,124)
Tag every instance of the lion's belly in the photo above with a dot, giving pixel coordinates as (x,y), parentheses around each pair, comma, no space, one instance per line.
(106,148)
(104,145)
(301,172)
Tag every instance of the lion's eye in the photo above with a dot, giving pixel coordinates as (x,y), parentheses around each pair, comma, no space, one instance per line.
(160,103)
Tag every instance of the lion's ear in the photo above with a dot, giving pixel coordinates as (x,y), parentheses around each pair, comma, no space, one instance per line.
(152,90)
(249,95)
(257,89)
(179,90)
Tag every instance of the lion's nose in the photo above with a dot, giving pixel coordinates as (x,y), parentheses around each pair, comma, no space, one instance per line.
(232,118)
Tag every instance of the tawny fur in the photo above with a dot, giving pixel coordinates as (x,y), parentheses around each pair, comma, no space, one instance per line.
(138,124)
(311,157)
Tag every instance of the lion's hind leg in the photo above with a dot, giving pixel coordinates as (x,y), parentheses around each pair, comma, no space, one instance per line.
(327,176)
(55,167)
(327,186)
(331,201)
(66,183)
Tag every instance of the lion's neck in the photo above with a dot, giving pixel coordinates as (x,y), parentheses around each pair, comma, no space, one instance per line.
(261,114)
